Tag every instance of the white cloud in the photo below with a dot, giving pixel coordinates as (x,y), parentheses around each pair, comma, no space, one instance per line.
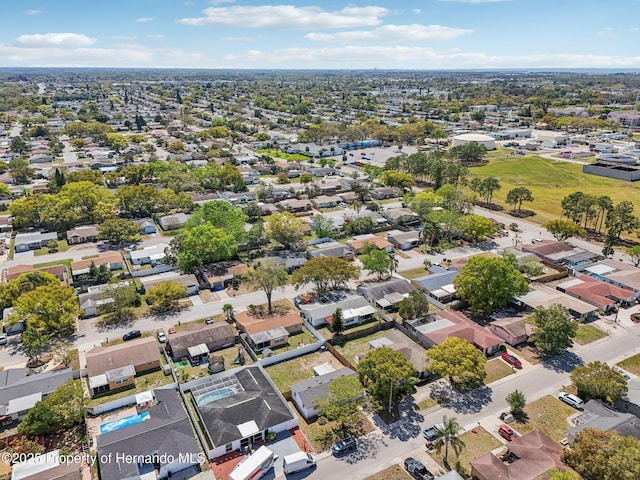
(145,19)
(392,33)
(415,58)
(417,11)
(605,32)
(475,1)
(34,11)
(288,17)
(156,36)
(55,40)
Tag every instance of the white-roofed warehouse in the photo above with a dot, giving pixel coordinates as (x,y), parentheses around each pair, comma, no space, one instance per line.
(488,142)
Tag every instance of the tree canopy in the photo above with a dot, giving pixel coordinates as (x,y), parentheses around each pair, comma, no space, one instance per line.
(119,230)
(459,361)
(220,214)
(386,374)
(202,245)
(518,195)
(342,403)
(63,408)
(554,330)
(267,275)
(51,309)
(165,296)
(561,229)
(285,228)
(489,283)
(599,380)
(325,273)
(379,262)
(413,306)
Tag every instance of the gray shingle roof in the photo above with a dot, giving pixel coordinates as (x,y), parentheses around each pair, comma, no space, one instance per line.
(317,388)
(15,384)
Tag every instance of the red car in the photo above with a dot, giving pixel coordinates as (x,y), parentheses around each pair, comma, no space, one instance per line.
(507,433)
(171,330)
(511,360)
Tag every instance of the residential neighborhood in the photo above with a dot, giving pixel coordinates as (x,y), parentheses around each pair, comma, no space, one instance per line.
(200,283)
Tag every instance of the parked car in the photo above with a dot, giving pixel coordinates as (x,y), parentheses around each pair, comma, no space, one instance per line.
(536,240)
(511,360)
(131,335)
(507,433)
(3,338)
(208,320)
(416,469)
(162,338)
(431,433)
(572,400)
(171,330)
(344,446)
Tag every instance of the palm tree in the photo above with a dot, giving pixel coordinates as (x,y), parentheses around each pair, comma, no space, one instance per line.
(448,435)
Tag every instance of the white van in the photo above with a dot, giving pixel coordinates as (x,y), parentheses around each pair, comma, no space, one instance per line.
(254,466)
(298,461)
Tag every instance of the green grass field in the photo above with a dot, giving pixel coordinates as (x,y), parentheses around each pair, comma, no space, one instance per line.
(550,182)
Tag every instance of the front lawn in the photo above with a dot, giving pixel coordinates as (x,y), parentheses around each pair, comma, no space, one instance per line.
(66,263)
(394,472)
(547,414)
(476,444)
(496,369)
(63,246)
(427,403)
(414,273)
(631,364)
(587,334)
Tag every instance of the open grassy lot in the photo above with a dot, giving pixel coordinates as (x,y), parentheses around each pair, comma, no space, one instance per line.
(293,157)
(547,414)
(476,444)
(631,364)
(496,369)
(414,273)
(550,181)
(66,263)
(297,369)
(394,472)
(358,347)
(427,403)
(588,333)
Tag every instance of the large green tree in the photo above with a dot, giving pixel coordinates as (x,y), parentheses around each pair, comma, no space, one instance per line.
(489,283)
(220,214)
(379,262)
(459,361)
(518,195)
(285,228)
(34,343)
(554,330)
(561,229)
(386,374)
(63,408)
(599,380)
(342,403)
(516,401)
(477,227)
(121,298)
(267,275)
(26,282)
(322,226)
(51,309)
(119,230)
(413,306)
(325,273)
(203,245)
(604,455)
(165,296)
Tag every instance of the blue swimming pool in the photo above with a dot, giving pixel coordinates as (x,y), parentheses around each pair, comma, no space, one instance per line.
(213,396)
(123,422)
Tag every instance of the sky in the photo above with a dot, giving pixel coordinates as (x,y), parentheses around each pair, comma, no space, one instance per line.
(321,34)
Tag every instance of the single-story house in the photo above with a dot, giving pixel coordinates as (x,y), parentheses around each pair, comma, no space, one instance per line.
(113,261)
(404,240)
(58,271)
(269,330)
(82,234)
(306,394)
(188,280)
(220,275)
(116,366)
(513,330)
(401,216)
(615,272)
(165,438)
(561,253)
(439,284)
(238,198)
(597,415)
(543,296)
(173,222)
(411,351)
(154,254)
(91,302)
(532,457)
(386,294)
(33,240)
(359,242)
(237,408)
(326,201)
(215,336)
(603,295)
(147,226)
(631,401)
(46,466)
(20,389)
(382,193)
(294,205)
(355,309)
(291,260)
(333,249)
(435,328)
